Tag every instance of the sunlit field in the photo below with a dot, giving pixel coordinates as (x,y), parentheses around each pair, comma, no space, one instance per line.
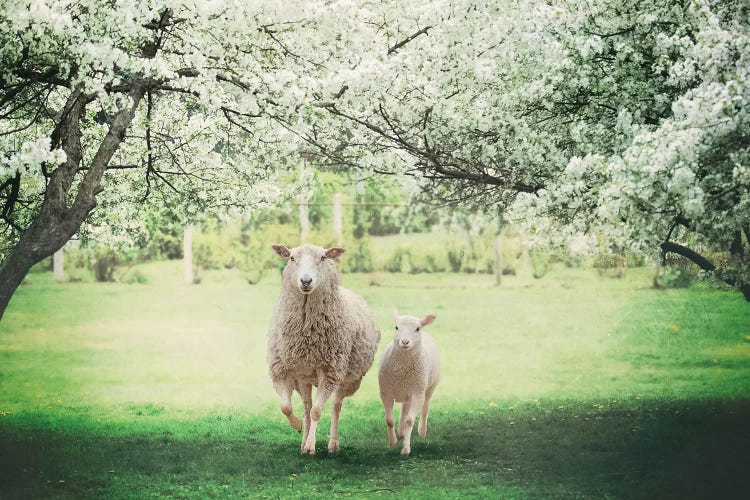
(568,386)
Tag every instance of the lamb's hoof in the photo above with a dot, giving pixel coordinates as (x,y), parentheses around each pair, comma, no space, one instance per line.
(422,432)
(400,434)
(405,452)
(333,446)
(308,451)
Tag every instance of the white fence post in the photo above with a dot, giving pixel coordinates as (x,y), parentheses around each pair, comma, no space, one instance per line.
(498,259)
(338,224)
(58,261)
(304,208)
(187,255)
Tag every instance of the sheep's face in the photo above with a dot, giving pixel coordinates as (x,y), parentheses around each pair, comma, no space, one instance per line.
(308,264)
(408,333)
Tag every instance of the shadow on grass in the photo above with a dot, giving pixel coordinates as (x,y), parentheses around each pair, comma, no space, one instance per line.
(634,449)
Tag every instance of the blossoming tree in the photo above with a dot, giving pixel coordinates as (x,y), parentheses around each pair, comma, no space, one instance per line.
(116,103)
(624,120)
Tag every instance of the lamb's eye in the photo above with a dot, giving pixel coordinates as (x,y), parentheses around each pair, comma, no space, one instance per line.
(291,258)
(323,258)
(417,328)
(396,328)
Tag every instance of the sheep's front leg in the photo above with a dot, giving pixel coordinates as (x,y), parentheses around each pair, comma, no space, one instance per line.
(402,418)
(285,389)
(325,389)
(333,441)
(415,403)
(389,420)
(305,391)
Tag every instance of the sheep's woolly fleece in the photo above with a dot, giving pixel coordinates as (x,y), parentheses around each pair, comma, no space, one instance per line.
(331,329)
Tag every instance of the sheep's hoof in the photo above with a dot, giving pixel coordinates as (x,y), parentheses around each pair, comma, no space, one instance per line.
(422,431)
(392,439)
(295,423)
(405,452)
(333,446)
(308,451)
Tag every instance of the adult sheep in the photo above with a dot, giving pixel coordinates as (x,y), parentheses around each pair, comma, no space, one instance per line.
(321,335)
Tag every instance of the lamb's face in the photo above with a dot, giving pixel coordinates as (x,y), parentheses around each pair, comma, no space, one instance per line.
(308,265)
(408,330)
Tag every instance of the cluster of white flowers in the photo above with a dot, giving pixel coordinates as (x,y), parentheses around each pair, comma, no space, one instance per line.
(29,156)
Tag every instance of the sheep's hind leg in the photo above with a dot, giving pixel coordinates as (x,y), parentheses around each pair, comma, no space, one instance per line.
(415,403)
(305,391)
(285,392)
(333,441)
(422,429)
(389,420)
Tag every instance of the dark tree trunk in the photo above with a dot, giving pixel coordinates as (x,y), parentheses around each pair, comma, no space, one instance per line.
(57,222)
(12,273)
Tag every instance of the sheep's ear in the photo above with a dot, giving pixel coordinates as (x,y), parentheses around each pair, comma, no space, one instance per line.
(427,320)
(281,250)
(334,252)
(395,313)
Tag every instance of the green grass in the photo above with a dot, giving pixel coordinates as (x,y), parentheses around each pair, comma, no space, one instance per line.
(569,386)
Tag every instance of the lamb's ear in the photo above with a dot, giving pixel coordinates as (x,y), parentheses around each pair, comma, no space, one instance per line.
(395,313)
(427,320)
(334,252)
(281,250)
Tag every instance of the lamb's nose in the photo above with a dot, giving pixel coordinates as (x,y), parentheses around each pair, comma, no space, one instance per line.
(305,281)
(405,343)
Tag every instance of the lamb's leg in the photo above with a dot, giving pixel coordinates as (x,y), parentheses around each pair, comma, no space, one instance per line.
(285,389)
(401,418)
(422,429)
(389,420)
(415,403)
(333,441)
(325,389)
(305,391)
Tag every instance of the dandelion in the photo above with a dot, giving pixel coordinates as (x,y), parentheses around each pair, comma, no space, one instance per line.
(674,327)
(493,404)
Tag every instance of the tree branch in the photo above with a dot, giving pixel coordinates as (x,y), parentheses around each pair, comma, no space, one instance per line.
(691,255)
(408,39)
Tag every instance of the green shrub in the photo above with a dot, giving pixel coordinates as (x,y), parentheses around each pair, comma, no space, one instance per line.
(399,262)
(131,276)
(104,266)
(677,272)
(540,262)
(610,264)
(358,258)
(455,254)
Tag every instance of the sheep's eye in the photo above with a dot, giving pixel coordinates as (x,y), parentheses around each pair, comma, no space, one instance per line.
(323,258)
(396,328)
(417,328)
(291,258)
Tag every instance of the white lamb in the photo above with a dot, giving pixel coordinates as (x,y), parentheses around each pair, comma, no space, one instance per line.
(321,334)
(409,373)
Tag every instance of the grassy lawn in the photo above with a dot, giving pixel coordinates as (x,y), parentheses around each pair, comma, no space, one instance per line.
(569,386)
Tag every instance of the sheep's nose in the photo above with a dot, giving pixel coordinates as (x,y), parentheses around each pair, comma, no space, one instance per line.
(405,342)
(305,281)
